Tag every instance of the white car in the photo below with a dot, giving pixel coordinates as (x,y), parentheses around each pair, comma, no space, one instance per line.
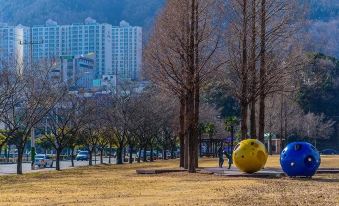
(83,156)
(42,160)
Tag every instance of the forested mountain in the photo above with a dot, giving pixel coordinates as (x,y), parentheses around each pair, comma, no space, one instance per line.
(323,10)
(324,26)
(323,15)
(31,12)
(138,12)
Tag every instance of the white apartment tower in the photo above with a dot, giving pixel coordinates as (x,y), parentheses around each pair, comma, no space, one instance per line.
(12,48)
(118,49)
(127,51)
(75,39)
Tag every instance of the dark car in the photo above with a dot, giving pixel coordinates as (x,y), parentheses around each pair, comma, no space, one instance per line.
(328,152)
(82,156)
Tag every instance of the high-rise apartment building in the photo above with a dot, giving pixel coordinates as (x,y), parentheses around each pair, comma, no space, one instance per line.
(75,39)
(118,49)
(12,39)
(127,51)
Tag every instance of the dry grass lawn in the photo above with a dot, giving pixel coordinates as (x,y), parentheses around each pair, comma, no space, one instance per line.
(120,185)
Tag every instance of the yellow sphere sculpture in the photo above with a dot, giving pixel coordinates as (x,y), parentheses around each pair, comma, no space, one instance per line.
(250,155)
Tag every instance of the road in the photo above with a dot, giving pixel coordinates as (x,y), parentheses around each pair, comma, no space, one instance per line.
(7,169)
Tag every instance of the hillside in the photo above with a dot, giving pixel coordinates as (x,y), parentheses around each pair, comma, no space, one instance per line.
(138,12)
(323,15)
(324,26)
(324,10)
(32,12)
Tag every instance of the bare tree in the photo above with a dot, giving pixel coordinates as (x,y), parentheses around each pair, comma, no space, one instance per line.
(10,86)
(3,139)
(273,49)
(237,53)
(279,51)
(29,105)
(103,142)
(181,56)
(317,127)
(92,128)
(118,118)
(89,138)
(63,122)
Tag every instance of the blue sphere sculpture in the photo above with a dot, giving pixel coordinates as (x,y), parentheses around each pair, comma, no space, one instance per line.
(300,159)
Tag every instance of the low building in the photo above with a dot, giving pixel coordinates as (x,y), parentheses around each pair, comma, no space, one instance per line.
(275,144)
(106,84)
(78,71)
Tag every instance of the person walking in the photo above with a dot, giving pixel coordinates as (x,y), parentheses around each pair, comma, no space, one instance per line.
(221,156)
(230,161)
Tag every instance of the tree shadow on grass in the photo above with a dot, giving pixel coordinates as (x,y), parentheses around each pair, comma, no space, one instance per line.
(316,179)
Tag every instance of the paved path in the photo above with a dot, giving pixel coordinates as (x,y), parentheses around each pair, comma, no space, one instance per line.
(6,169)
(267,172)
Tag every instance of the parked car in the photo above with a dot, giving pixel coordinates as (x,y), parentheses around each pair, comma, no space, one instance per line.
(82,156)
(168,155)
(328,152)
(42,160)
(148,155)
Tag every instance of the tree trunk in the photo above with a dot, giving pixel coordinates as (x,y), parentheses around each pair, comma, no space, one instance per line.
(270,145)
(72,156)
(151,155)
(196,83)
(244,113)
(101,156)
(182,131)
(284,139)
(124,155)
(189,144)
(190,90)
(262,119)
(139,156)
(164,155)
(315,142)
(196,119)
(200,145)
(110,153)
(90,163)
(7,153)
(144,158)
(95,156)
(19,162)
(262,71)
(253,130)
(190,127)
(281,120)
(130,155)
(57,163)
(119,155)
(186,139)
(244,73)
